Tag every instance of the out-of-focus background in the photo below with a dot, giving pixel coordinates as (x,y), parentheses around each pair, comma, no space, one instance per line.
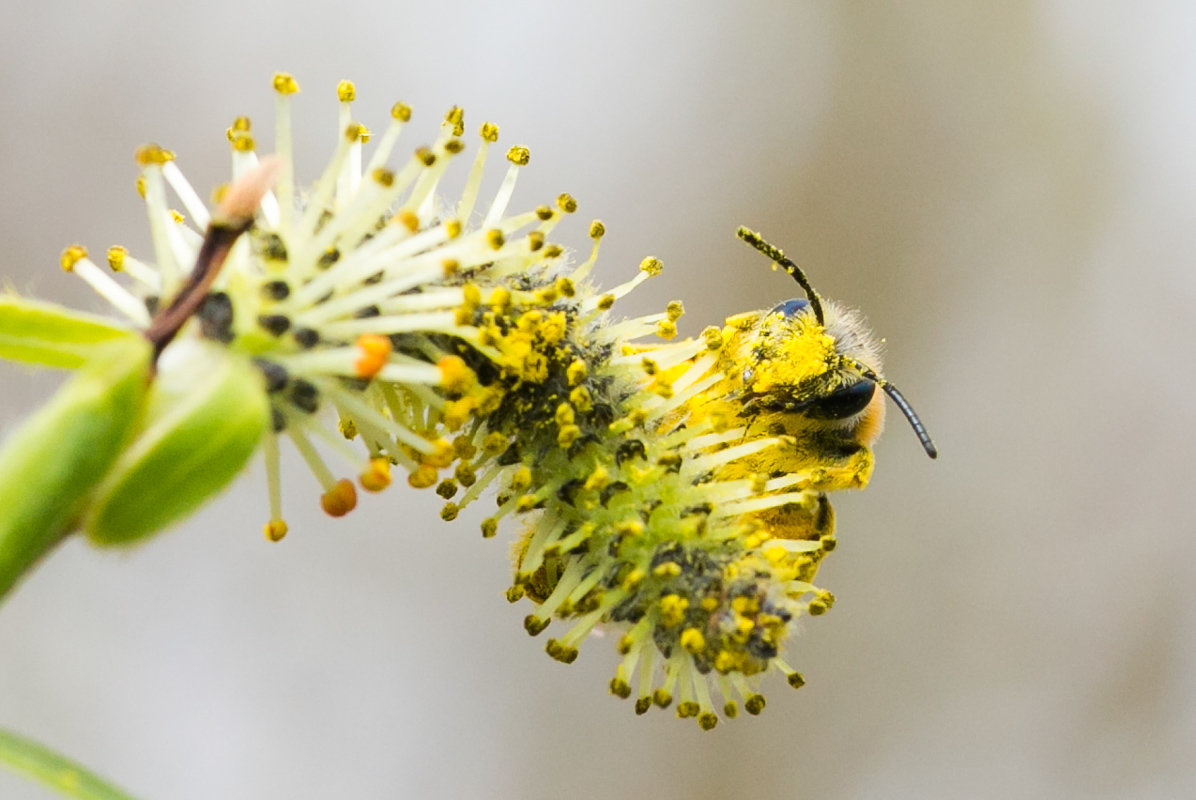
(1004,188)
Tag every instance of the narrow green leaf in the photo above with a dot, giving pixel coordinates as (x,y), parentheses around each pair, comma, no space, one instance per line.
(51,335)
(30,759)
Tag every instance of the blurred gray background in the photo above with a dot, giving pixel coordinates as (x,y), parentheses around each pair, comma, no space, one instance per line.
(1004,188)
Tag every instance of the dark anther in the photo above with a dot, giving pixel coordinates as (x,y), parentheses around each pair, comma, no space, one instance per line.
(275,374)
(275,324)
(366,312)
(276,290)
(632,448)
(215,314)
(277,421)
(328,258)
(306,337)
(304,395)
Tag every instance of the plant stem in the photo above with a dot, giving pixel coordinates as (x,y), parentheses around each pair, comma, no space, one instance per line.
(32,760)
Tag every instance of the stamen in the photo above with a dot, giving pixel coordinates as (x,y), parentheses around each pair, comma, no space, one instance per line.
(74,259)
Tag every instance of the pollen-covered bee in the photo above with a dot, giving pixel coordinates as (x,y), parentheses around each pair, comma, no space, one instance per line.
(807,371)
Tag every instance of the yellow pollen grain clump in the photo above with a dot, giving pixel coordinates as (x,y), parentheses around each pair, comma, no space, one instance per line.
(375,350)
(340,499)
(376,476)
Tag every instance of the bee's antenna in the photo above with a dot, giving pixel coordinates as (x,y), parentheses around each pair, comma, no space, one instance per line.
(756,241)
(903,404)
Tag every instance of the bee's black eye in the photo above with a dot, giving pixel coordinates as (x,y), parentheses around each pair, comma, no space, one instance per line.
(791,308)
(841,403)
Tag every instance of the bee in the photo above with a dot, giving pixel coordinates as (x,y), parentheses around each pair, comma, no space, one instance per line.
(806,372)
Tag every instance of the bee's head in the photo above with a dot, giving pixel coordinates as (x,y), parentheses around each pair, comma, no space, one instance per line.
(815,358)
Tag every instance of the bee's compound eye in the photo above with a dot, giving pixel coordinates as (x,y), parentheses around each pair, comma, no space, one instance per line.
(841,403)
(791,308)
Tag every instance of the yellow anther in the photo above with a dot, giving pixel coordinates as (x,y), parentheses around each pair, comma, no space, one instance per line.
(672,609)
(456,118)
(519,155)
(452,228)
(153,154)
(455,376)
(693,640)
(177,216)
(597,229)
(408,219)
(375,352)
(242,142)
(383,176)
(424,476)
(275,529)
(494,444)
(347,427)
(564,414)
(605,302)
(598,479)
(376,476)
(666,329)
(566,203)
(116,257)
(576,372)
(535,241)
(674,310)
(340,499)
(495,238)
(284,83)
(346,92)
(141,188)
(400,112)
(651,265)
(633,579)
(667,569)
(529,502)
(72,256)
(521,480)
(568,435)
(489,132)
(425,156)
(581,399)
(544,213)
(450,512)
(241,125)
(489,528)
(454,146)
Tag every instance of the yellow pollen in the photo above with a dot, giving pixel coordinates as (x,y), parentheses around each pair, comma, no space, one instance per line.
(651,265)
(489,132)
(384,176)
(274,530)
(177,216)
(242,142)
(598,479)
(408,219)
(346,92)
(455,376)
(340,499)
(519,155)
(576,372)
(424,476)
(347,427)
(284,83)
(672,609)
(153,154)
(375,351)
(72,256)
(116,257)
(241,125)
(401,112)
(452,228)
(456,118)
(376,476)
(693,640)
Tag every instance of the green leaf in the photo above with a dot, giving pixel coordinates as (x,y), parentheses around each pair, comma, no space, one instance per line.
(206,415)
(50,465)
(70,779)
(51,335)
